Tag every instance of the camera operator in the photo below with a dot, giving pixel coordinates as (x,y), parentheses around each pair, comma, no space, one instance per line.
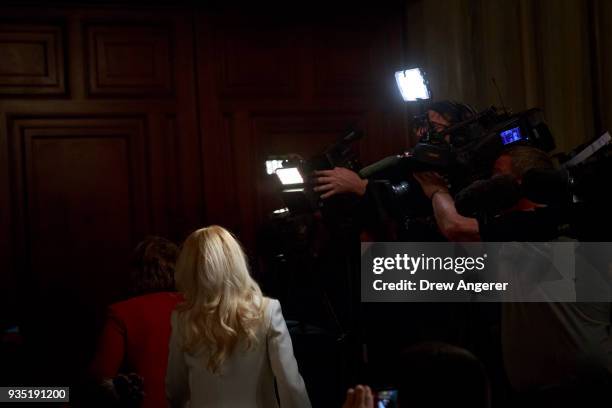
(525,220)
(341,181)
(559,352)
(378,225)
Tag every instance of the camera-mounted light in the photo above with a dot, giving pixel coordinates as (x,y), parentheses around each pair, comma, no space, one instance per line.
(413,84)
(289,176)
(273,164)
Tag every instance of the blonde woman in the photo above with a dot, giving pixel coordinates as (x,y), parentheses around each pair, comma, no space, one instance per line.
(228,341)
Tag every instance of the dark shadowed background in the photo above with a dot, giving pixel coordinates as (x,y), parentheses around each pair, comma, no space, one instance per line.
(123,119)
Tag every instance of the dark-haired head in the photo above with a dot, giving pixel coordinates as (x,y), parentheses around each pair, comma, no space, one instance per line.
(454,112)
(153,266)
(442,115)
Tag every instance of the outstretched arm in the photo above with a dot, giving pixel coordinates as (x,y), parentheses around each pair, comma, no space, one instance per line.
(454,226)
(339,180)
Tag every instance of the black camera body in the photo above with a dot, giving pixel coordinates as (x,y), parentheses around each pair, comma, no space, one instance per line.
(300,197)
(463,153)
(488,137)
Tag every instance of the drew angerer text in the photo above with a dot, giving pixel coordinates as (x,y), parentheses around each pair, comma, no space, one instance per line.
(425,285)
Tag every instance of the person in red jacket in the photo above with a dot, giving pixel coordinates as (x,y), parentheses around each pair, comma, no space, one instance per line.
(136,333)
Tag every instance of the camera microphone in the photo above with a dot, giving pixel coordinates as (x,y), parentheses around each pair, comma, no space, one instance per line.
(352,136)
(381,165)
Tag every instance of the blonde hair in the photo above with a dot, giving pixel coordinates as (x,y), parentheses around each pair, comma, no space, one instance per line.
(223,304)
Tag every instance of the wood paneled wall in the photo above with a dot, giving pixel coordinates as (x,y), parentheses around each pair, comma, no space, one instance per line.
(99,143)
(118,122)
(279,84)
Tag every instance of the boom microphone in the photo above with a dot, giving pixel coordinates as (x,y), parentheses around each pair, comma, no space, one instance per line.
(352,136)
(381,165)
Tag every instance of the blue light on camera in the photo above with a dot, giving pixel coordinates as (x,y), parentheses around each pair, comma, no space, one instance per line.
(511,135)
(387,399)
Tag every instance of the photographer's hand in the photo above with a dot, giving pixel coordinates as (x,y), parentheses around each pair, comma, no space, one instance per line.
(339,180)
(360,397)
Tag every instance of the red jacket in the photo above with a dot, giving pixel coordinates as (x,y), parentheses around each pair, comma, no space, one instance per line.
(135,339)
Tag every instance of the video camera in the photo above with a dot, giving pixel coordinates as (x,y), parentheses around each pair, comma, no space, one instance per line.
(463,153)
(573,195)
(294,173)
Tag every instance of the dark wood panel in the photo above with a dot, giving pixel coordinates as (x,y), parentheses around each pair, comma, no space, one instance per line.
(256,60)
(357,62)
(219,165)
(289,84)
(112,157)
(346,62)
(129,59)
(31,60)
(164,176)
(79,195)
(8,292)
(80,192)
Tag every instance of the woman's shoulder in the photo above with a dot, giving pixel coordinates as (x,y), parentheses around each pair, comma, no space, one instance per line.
(273,314)
(270,304)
